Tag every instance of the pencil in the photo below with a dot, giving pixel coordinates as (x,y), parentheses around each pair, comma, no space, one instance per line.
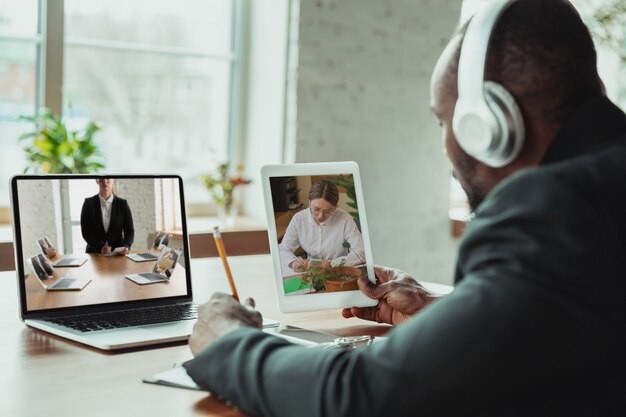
(219,243)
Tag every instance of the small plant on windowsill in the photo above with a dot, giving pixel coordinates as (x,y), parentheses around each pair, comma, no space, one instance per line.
(51,148)
(223,189)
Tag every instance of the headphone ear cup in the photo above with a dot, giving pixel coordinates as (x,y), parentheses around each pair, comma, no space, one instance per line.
(510,122)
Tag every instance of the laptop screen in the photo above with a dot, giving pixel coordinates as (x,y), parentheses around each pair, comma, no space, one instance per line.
(86,226)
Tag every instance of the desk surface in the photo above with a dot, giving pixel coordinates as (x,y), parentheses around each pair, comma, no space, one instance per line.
(108,283)
(47,375)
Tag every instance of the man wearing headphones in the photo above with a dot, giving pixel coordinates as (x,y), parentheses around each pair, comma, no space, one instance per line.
(536,325)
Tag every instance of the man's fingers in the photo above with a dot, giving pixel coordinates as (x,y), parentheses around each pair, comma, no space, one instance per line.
(366,286)
(249,303)
(383,274)
(372,290)
(255,320)
(346,313)
(369,313)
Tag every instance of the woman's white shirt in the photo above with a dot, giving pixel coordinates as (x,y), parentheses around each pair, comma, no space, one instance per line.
(323,241)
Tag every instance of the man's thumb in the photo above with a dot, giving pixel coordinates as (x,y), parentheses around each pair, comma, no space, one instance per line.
(369,288)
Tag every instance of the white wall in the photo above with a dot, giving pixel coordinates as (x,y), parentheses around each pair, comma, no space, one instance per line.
(355,75)
(39,215)
(363,95)
(141,198)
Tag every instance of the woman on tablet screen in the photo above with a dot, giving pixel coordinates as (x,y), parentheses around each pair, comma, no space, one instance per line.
(323,231)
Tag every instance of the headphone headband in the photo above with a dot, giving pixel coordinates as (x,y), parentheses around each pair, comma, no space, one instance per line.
(474,51)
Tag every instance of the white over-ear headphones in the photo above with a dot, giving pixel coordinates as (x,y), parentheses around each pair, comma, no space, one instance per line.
(487,122)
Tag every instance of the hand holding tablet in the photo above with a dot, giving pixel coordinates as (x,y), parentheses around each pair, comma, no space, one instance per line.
(321,247)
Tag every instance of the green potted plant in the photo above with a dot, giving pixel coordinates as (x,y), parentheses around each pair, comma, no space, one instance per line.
(331,278)
(347,182)
(342,278)
(51,148)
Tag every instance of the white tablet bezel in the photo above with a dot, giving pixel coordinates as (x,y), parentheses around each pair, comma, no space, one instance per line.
(325,301)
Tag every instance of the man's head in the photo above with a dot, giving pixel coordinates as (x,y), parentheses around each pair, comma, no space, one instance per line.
(542,53)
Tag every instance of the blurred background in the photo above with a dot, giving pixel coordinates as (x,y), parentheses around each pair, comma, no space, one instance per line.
(182,87)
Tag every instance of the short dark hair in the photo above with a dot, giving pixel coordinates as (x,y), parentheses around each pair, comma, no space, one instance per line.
(542,52)
(326,190)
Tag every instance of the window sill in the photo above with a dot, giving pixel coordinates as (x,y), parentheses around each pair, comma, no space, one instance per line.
(205,224)
(5,216)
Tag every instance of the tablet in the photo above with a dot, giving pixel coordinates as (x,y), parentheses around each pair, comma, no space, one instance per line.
(318,235)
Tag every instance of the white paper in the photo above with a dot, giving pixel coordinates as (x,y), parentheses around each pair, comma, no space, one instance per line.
(175,377)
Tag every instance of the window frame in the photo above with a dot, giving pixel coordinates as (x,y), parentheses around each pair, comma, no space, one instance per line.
(50,44)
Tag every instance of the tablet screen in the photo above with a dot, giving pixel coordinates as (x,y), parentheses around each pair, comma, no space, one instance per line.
(318,231)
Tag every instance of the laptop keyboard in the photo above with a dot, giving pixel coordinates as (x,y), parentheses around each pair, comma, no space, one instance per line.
(129,318)
(65,261)
(64,283)
(146,256)
(151,276)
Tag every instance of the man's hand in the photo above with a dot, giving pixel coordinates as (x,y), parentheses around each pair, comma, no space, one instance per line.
(400,297)
(220,316)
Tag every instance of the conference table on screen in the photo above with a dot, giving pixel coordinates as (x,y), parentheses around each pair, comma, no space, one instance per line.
(47,375)
(108,283)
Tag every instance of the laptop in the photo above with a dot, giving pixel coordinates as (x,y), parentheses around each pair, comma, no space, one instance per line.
(163,269)
(157,244)
(142,257)
(44,271)
(50,251)
(111,312)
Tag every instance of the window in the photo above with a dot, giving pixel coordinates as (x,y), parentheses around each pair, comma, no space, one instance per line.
(156,75)
(72,196)
(20,42)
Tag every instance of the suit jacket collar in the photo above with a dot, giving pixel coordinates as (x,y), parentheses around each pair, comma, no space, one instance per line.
(109,200)
(590,127)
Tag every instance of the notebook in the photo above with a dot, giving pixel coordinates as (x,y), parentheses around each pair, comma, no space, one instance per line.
(111,312)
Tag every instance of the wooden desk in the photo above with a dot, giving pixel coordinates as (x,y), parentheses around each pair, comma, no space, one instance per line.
(108,283)
(43,375)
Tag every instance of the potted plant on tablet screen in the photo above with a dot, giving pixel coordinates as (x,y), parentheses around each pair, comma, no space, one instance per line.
(342,278)
(347,182)
(331,278)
